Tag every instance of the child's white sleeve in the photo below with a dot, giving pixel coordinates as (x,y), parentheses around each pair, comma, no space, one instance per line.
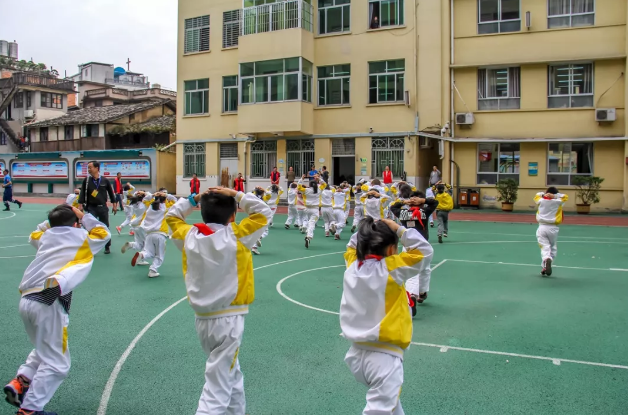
(175,218)
(352,254)
(36,235)
(97,233)
(249,230)
(407,264)
(538,197)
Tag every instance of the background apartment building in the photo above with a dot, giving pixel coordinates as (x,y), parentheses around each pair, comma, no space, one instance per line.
(344,84)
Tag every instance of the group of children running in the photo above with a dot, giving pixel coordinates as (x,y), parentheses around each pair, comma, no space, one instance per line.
(217,260)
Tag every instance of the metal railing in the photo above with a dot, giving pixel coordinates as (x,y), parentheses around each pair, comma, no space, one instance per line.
(99,91)
(46,81)
(283,15)
(115,81)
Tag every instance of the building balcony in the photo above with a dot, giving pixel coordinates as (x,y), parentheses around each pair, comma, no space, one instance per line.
(290,14)
(28,79)
(276,118)
(126,95)
(86,143)
(136,83)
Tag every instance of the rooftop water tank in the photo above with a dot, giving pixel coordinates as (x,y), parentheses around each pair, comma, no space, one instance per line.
(4,48)
(13,50)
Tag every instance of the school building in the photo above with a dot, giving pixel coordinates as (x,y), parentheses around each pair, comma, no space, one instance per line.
(484,89)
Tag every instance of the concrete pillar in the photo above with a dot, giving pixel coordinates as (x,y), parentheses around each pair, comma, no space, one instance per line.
(322,151)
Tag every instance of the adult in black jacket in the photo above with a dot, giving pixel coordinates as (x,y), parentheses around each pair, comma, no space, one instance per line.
(93,196)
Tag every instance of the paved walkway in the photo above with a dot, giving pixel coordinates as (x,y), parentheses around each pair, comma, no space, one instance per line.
(458,215)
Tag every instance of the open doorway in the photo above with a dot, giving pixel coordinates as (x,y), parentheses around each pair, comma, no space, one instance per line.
(343,170)
(428,158)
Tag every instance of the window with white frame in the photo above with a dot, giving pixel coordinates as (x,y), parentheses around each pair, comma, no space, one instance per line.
(194,160)
(499,16)
(334,85)
(567,160)
(334,16)
(498,88)
(570,86)
(386,81)
(196,35)
(498,161)
(196,97)
(230,93)
(385,13)
(570,13)
(230,28)
(300,155)
(276,80)
(263,158)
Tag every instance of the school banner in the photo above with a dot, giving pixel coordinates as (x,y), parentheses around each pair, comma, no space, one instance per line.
(39,170)
(130,169)
(2,168)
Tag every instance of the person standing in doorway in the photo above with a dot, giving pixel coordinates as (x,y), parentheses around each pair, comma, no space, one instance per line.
(387,176)
(195,185)
(118,189)
(313,172)
(238,183)
(7,196)
(94,192)
(274,177)
(290,176)
(435,176)
(325,174)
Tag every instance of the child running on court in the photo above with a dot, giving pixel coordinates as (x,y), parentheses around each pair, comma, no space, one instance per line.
(128,193)
(327,211)
(549,215)
(293,212)
(374,313)
(412,209)
(445,205)
(429,193)
(219,280)
(65,254)
(358,209)
(375,204)
(72,199)
(339,202)
(139,203)
(271,197)
(311,200)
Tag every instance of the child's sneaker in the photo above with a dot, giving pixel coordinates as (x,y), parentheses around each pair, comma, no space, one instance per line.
(15,391)
(445,234)
(287,226)
(353,229)
(431,224)
(337,237)
(27,412)
(142,262)
(152,274)
(132,233)
(422,297)
(332,228)
(412,303)
(119,229)
(327,234)
(255,250)
(548,267)
(19,204)
(296,226)
(307,242)
(440,239)
(137,256)
(259,242)
(125,247)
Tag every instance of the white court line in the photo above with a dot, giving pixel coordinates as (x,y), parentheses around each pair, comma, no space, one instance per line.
(19,256)
(530,241)
(9,217)
(555,360)
(106,395)
(527,234)
(535,265)
(14,246)
(14,236)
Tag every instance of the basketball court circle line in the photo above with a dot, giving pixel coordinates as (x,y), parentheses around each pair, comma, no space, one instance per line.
(555,360)
(106,395)
(9,217)
(14,246)
(527,234)
(18,256)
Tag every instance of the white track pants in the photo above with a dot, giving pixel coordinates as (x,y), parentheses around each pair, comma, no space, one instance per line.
(155,247)
(327,213)
(49,363)
(339,220)
(421,283)
(383,374)
(223,392)
(312,214)
(293,215)
(128,212)
(547,236)
(273,210)
(347,211)
(358,215)
(139,240)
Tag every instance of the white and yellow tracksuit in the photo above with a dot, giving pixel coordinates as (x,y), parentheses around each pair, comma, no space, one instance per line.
(303,216)
(293,213)
(358,209)
(139,213)
(375,207)
(347,192)
(549,215)
(327,211)
(272,200)
(128,211)
(221,297)
(63,261)
(375,317)
(339,204)
(312,202)
(155,228)
(72,200)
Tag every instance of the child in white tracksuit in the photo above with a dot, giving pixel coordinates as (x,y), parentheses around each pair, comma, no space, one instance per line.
(293,212)
(129,190)
(302,213)
(311,200)
(327,211)
(358,210)
(429,193)
(65,254)
(271,197)
(374,203)
(339,202)
(374,313)
(220,298)
(549,215)
(140,203)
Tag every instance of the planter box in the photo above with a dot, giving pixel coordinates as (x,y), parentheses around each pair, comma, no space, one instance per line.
(583,209)
(507,207)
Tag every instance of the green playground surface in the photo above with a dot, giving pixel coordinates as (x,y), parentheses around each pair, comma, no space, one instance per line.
(492,338)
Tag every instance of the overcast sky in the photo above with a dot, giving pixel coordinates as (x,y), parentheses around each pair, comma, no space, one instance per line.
(65,33)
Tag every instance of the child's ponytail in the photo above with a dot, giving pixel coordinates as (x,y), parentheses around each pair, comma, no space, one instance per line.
(374,238)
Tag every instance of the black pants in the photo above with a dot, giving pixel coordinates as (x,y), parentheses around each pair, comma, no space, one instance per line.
(120,202)
(101,213)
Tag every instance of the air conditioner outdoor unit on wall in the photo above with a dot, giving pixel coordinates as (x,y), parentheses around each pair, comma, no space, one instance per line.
(464,118)
(29,113)
(425,142)
(605,114)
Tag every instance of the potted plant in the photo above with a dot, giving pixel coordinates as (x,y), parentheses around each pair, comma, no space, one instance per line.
(507,193)
(588,191)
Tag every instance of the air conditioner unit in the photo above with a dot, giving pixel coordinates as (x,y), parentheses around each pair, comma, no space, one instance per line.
(29,113)
(425,142)
(605,114)
(464,118)
(406,98)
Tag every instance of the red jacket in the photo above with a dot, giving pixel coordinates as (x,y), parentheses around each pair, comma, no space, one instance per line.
(274,177)
(195,186)
(238,185)
(388,178)
(118,186)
